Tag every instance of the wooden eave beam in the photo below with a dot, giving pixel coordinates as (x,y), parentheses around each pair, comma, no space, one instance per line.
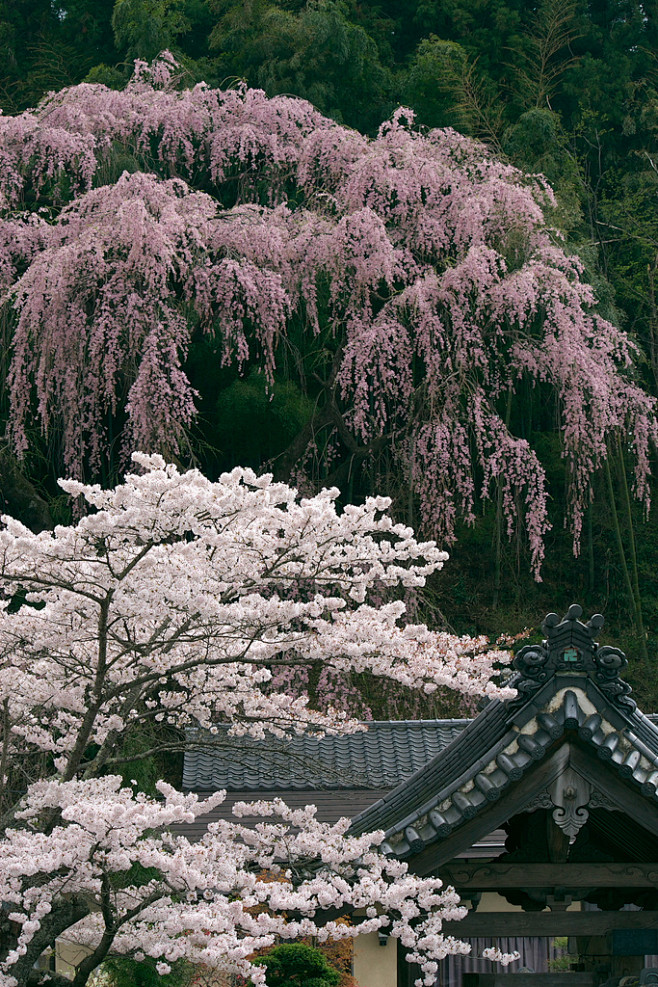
(623,793)
(494,876)
(567,923)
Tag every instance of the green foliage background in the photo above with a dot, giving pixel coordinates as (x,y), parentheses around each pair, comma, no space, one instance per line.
(298,965)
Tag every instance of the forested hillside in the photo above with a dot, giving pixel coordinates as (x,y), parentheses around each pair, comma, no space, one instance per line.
(233,277)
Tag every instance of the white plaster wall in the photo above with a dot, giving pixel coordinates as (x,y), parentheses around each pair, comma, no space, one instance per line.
(375,965)
(67,957)
(491,901)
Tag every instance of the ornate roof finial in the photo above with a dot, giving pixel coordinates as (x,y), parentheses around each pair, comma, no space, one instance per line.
(570,648)
(569,642)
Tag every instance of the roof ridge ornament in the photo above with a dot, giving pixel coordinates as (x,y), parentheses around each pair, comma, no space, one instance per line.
(570,647)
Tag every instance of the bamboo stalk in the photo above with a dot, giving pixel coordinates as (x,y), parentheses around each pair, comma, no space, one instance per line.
(623,482)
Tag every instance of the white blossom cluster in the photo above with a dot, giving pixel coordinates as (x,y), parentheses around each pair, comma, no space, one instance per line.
(171,602)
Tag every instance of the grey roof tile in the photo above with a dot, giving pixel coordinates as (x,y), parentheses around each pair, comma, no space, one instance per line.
(380,757)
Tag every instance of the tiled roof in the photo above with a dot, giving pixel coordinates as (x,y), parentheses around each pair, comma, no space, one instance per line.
(426,778)
(380,757)
(567,691)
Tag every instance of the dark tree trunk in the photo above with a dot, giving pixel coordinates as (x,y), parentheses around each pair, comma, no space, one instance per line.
(18,496)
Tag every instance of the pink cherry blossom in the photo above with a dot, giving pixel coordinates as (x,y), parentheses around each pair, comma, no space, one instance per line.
(426,264)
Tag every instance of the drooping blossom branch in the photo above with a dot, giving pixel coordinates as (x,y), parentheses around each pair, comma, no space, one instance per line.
(420,263)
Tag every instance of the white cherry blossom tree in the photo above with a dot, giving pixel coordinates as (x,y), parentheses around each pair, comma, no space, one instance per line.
(173,601)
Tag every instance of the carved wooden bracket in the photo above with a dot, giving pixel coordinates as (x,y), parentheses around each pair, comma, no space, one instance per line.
(570,793)
(597,800)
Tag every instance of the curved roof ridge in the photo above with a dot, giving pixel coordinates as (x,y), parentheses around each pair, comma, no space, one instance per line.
(448,766)
(500,746)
